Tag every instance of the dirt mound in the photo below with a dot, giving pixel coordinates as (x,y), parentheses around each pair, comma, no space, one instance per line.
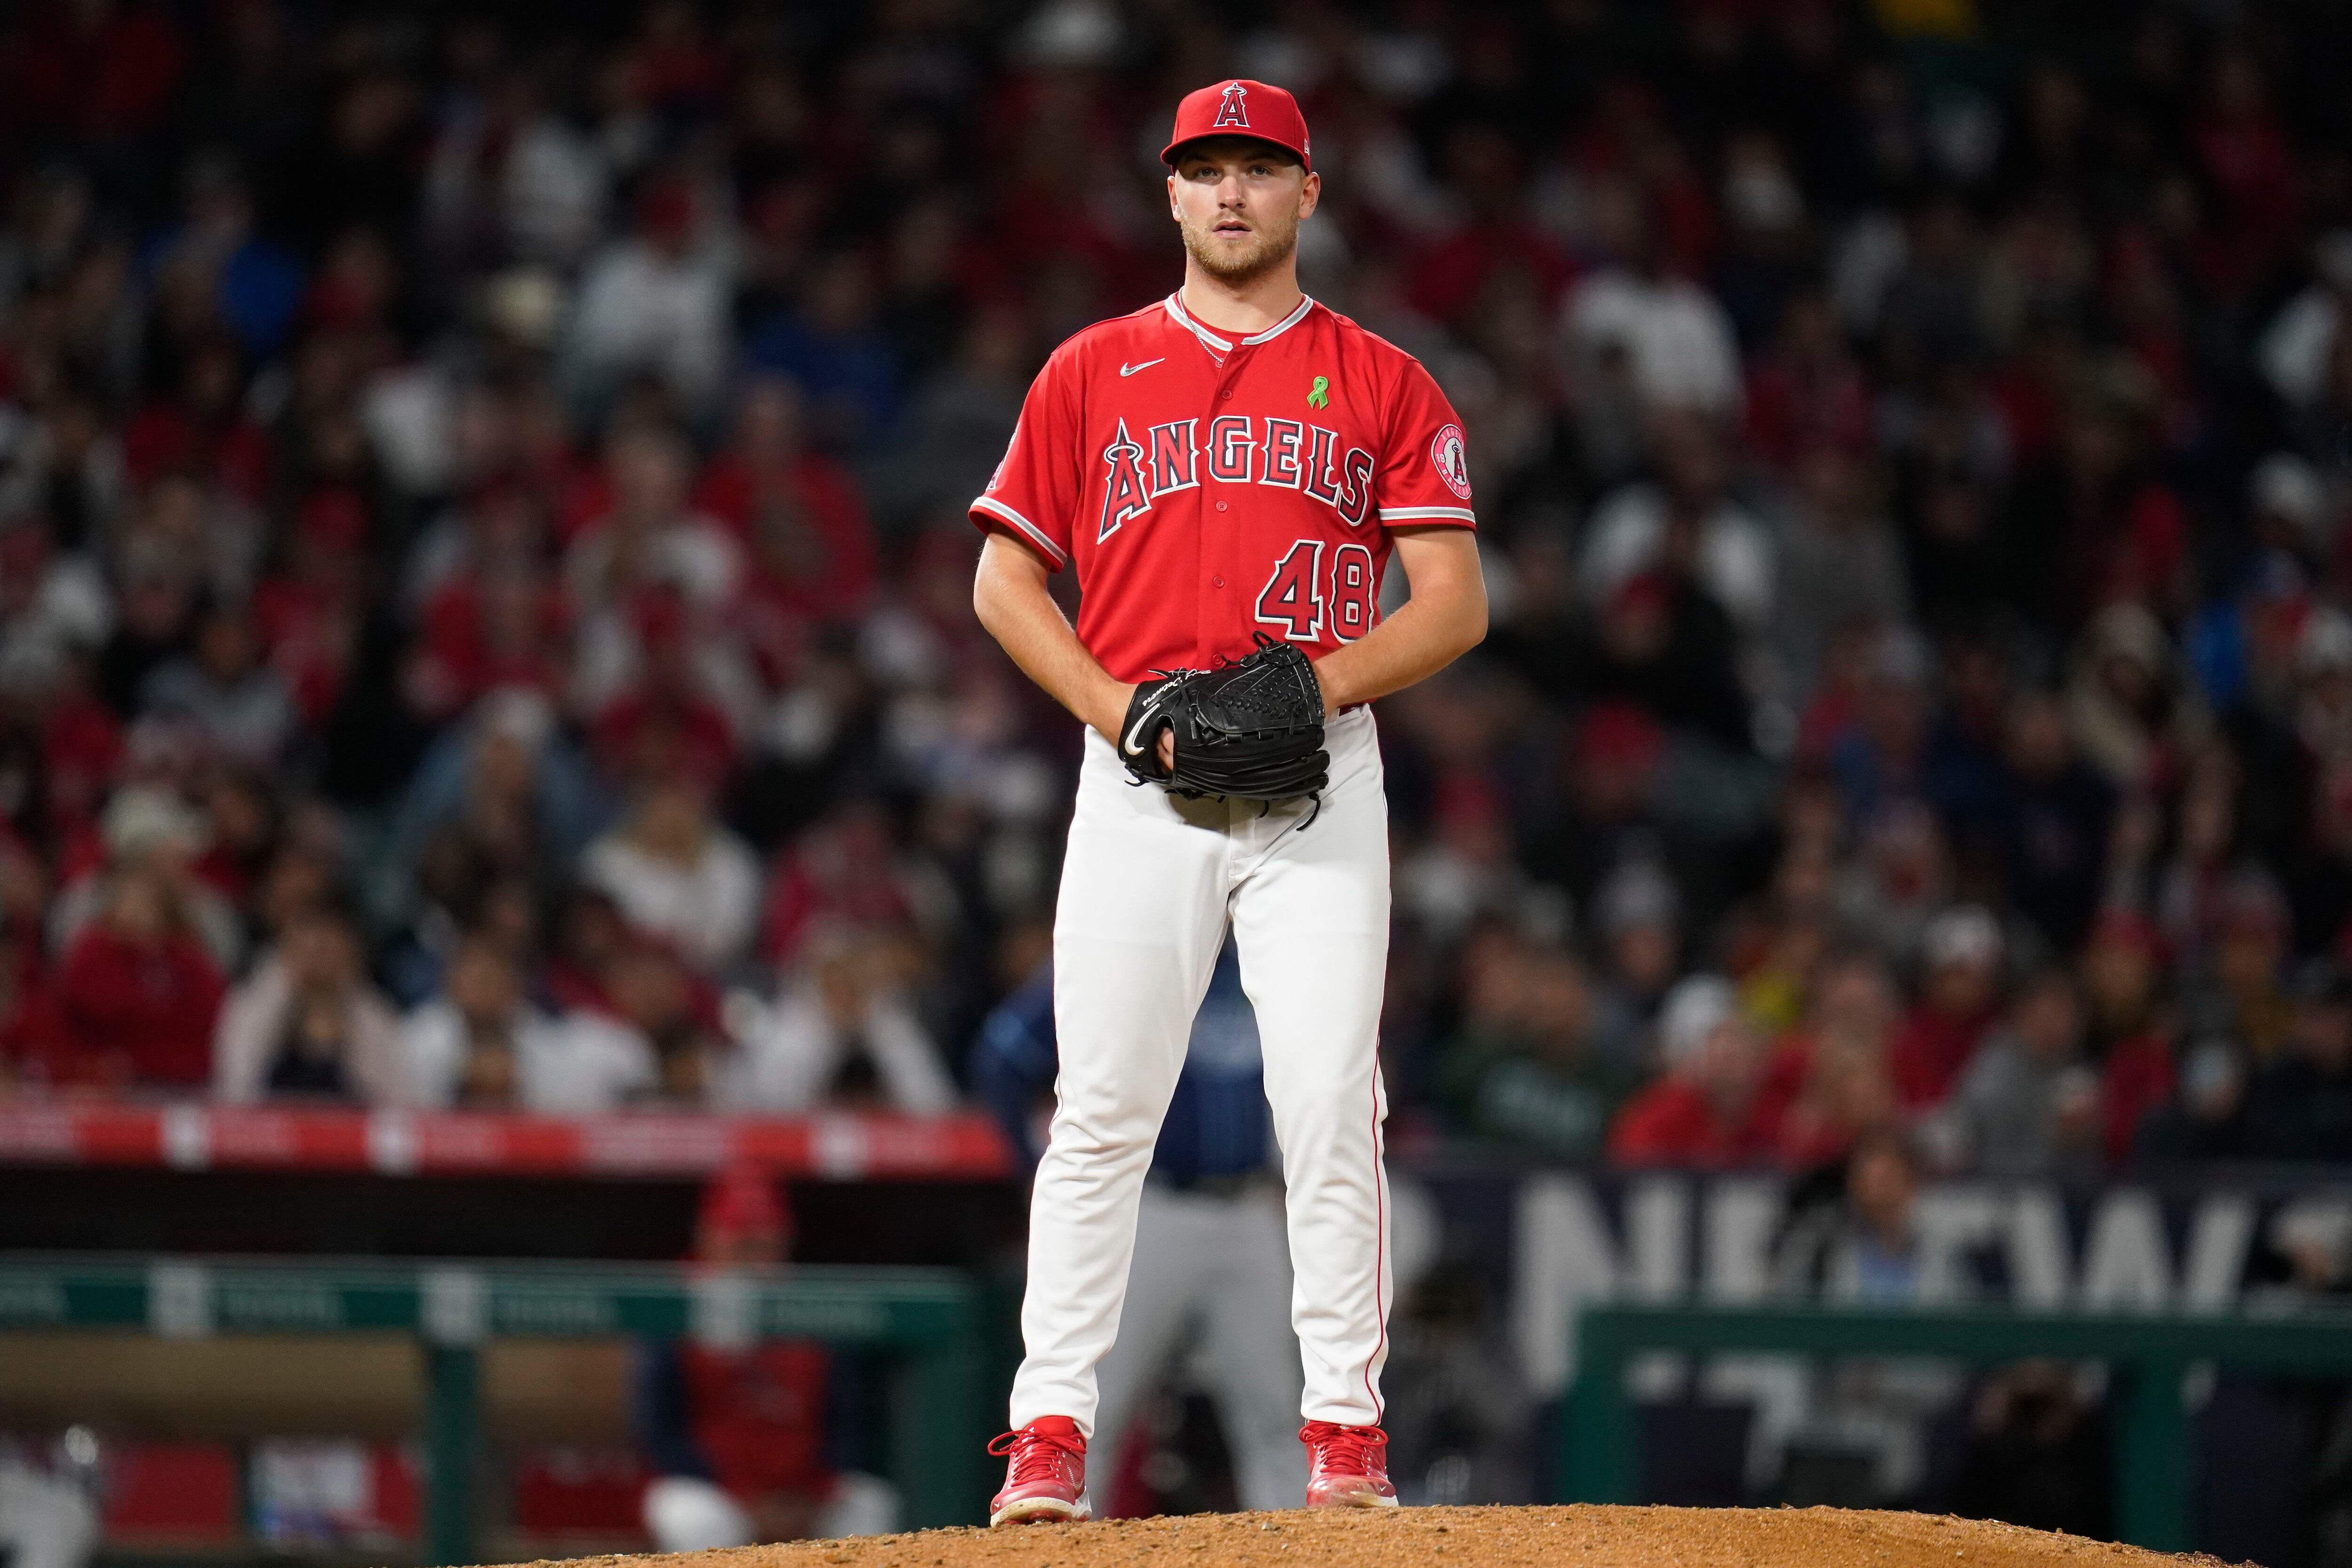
(1572,1537)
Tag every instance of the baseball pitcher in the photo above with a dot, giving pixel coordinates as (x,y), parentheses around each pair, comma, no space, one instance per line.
(1229,472)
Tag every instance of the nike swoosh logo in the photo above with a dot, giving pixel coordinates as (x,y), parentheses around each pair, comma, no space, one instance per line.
(1125,369)
(1143,721)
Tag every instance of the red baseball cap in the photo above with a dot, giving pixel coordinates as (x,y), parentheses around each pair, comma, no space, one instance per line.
(1241,108)
(741,1203)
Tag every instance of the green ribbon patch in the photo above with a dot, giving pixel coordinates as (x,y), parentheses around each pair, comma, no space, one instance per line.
(1320,394)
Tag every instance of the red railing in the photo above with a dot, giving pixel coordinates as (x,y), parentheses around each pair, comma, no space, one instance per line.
(838,1146)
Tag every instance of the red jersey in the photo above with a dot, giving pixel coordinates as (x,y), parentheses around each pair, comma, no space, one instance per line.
(1208,486)
(2135,1077)
(1673,1122)
(1929,1052)
(759,1416)
(139,1012)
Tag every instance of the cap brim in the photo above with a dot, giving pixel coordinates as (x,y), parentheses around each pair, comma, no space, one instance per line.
(1168,155)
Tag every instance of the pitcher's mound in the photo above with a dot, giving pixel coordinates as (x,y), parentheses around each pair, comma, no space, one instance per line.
(1578,1536)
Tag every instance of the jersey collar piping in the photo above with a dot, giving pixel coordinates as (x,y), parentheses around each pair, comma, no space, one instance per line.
(1306,304)
(1209,339)
(1222,346)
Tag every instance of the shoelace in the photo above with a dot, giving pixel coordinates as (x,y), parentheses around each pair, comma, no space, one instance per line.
(1035,1454)
(1346,1450)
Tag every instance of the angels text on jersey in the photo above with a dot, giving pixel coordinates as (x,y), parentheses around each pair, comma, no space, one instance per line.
(1240,450)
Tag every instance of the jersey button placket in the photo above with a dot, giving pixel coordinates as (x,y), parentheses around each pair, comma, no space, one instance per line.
(1237,620)
(1221,542)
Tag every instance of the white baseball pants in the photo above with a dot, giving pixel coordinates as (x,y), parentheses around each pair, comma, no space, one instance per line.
(1149,884)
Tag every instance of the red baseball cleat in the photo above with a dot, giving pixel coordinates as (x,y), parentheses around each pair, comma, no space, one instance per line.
(1046,1477)
(1346,1467)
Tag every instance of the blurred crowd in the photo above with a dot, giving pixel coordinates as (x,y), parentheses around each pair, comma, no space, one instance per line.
(485,574)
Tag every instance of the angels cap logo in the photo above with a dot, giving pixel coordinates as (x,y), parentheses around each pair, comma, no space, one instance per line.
(1230,109)
(1451,461)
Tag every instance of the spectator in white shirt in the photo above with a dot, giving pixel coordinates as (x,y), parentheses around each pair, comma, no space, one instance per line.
(655,304)
(1689,507)
(306,1024)
(678,875)
(508,175)
(482,1045)
(2294,350)
(240,705)
(842,1035)
(51,601)
(1678,341)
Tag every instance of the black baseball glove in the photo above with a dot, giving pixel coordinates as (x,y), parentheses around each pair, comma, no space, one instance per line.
(1251,729)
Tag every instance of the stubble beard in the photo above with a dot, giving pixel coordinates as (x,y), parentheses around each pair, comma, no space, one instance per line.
(1270,252)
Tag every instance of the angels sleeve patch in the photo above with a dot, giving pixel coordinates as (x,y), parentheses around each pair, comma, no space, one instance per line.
(1452,463)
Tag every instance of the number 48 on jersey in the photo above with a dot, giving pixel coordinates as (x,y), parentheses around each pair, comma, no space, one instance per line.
(1305,598)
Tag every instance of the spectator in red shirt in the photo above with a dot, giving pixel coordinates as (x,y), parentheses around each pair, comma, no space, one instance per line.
(203,432)
(106,71)
(738,1436)
(309,615)
(669,717)
(1834,1071)
(81,752)
(843,870)
(2120,968)
(149,827)
(1959,956)
(1807,391)
(139,991)
(2244,150)
(796,510)
(503,624)
(32,1034)
(1709,1108)
(1498,238)
(654,587)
